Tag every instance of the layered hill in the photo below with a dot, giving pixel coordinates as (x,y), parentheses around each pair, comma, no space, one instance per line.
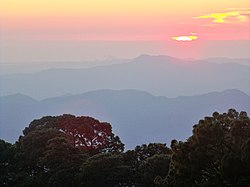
(159,75)
(136,116)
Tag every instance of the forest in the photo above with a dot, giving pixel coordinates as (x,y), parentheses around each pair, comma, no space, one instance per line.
(71,151)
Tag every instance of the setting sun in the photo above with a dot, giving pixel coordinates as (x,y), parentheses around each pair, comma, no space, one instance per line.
(185,38)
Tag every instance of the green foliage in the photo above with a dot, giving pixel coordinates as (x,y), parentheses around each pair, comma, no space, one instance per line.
(54,148)
(69,151)
(215,155)
(141,153)
(31,148)
(105,169)
(147,162)
(154,166)
(59,153)
(63,178)
(84,132)
(7,152)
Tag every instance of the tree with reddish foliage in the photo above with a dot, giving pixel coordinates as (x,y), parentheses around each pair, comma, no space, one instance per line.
(88,133)
(83,132)
(52,149)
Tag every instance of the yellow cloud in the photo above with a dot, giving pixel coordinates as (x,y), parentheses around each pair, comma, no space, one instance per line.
(185,38)
(225,17)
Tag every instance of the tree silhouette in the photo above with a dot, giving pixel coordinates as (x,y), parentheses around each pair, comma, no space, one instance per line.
(81,151)
(156,165)
(105,169)
(7,152)
(51,147)
(217,154)
(147,161)
(83,132)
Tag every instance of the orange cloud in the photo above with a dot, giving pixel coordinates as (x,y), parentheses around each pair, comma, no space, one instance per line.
(225,17)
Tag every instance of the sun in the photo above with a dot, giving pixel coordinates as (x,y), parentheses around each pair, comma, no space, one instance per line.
(186,38)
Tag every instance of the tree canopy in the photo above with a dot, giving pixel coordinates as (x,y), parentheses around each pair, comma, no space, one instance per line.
(69,151)
(83,132)
(217,154)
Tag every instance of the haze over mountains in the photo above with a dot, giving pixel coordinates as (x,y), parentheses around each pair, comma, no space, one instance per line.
(137,117)
(158,75)
(183,91)
(243,61)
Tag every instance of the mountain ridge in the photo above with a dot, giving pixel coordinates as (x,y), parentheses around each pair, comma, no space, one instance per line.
(136,117)
(158,75)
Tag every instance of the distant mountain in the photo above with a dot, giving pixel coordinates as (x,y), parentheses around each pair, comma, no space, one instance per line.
(136,116)
(243,61)
(159,75)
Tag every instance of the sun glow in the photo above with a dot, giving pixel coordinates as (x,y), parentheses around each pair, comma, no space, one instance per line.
(123,20)
(185,38)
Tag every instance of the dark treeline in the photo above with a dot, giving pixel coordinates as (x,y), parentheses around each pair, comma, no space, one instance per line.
(69,151)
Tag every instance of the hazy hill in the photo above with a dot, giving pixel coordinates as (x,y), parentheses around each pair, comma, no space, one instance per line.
(243,61)
(159,75)
(137,117)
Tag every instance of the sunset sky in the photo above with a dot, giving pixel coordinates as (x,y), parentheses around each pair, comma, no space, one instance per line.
(36,25)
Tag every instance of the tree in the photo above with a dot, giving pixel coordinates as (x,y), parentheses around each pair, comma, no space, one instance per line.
(54,148)
(217,154)
(60,154)
(141,153)
(145,160)
(105,169)
(7,152)
(154,166)
(83,132)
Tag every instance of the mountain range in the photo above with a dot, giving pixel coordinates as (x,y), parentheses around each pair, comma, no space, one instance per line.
(137,117)
(159,75)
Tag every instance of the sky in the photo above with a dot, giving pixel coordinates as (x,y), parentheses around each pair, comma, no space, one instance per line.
(76,30)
